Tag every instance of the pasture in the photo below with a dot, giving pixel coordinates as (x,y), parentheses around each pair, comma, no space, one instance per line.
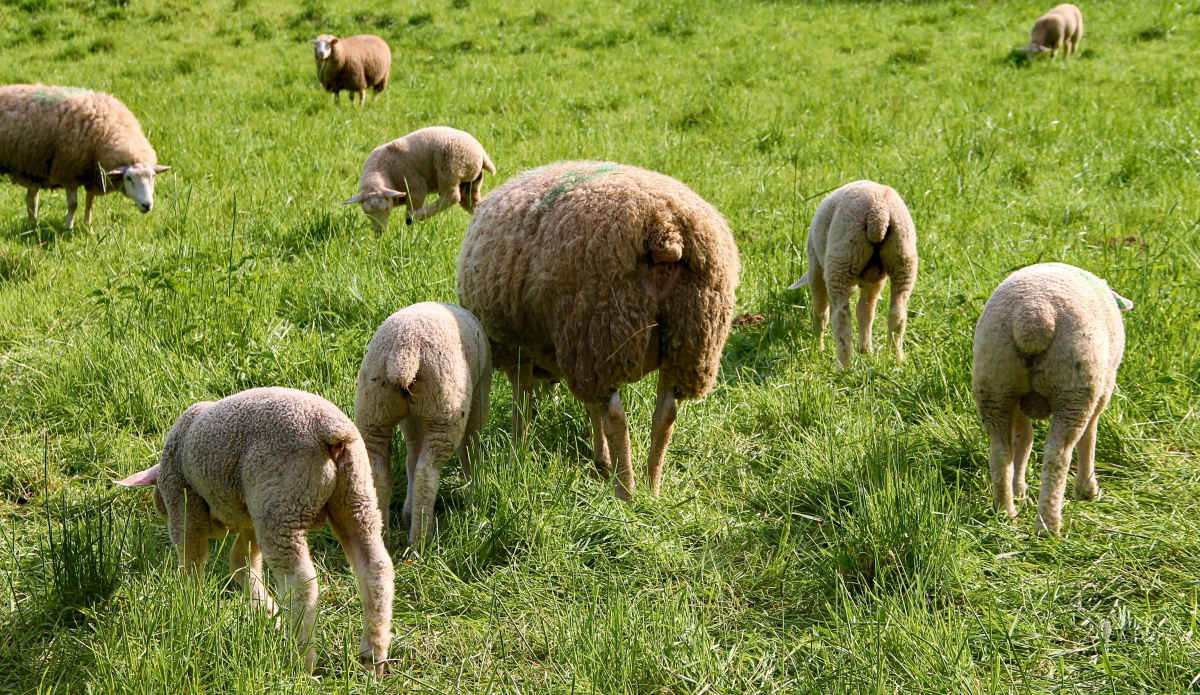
(819,531)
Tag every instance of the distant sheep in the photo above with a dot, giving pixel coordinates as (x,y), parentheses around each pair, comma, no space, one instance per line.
(356,64)
(270,464)
(61,137)
(428,369)
(1047,345)
(438,159)
(861,235)
(1061,27)
(599,274)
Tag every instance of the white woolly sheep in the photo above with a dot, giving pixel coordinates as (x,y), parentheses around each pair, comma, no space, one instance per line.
(356,64)
(438,159)
(61,137)
(1061,27)
(1047,345)
(861,235)
(598,274)
(269,464)
(428,369)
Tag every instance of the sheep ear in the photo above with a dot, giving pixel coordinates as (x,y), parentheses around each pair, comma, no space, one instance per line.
(146,477)
(118,172)
(333,42)
(394,194)
(1122,303)
(314,42)
(158,168)
(336,451)
(800,283)
(353,201)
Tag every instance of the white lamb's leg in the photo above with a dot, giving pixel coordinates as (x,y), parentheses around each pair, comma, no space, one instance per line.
(31,203)
(868,296)
(72,206)
(87,208)
(816,282)
(1086,485)
(286,550)
(414,440)
(246,565)
(375,575)
(1022,446)
(1066,427)
(843,331)
(998,423)
(437,448)
(378,439)
(446,198)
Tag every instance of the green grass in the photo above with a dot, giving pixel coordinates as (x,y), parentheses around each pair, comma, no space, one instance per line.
(818,532)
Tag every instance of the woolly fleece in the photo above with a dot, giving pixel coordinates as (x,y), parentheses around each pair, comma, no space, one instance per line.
(1061,27)
(355,63)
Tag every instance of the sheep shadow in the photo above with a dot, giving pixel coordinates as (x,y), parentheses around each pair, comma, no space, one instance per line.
(36,233)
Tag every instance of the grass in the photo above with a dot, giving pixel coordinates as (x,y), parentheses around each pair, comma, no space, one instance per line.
(818,532)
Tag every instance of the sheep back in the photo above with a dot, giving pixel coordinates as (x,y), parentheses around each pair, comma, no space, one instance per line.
(554,266)
(55,137)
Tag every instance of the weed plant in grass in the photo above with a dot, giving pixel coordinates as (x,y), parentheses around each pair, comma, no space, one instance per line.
(819,531)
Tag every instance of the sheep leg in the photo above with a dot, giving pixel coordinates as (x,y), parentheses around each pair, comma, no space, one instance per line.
(521,379)
(438,447)
(1086,485)
(447,198)
(472,449)
(600,457)
(660,433)
(1022,446)
(1066,428)
(998,423)
(31,203)
(246,565)
(337,98)
(616,430)
(868,295)
(189,524)
(842,330)
(414,439)
(816,282)
(87,208)
(286,550)
(902,287)
(72,206)
(378,440)
(362,98)
(375,576)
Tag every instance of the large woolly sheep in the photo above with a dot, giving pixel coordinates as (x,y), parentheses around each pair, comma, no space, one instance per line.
(598,274)
(1061,27)
(861,235)
(269,464)
(1047,345)
(428,369)
(356,64)
(61,137)
(438,160)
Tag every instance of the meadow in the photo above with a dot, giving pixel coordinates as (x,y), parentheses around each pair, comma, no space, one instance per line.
(819,531)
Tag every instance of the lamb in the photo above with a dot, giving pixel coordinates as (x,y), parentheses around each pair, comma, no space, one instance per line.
(438,159)
(62,137)
(269,464)
(598,274)
(1047,345)
(429,369)
(861,235)
(356,64)
(1061,27)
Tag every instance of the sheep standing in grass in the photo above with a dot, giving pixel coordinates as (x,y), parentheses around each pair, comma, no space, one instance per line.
(861,235)
(61,137)
(271,464)
(1061,27)
(428,369)
(438,160)
(598,274)
(356,64)
(1047,345)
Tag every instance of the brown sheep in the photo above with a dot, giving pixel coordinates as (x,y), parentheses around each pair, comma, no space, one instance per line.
(355,63)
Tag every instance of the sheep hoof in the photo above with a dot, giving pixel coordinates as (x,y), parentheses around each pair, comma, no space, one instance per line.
(600,472)
(1089,491)
(408,221)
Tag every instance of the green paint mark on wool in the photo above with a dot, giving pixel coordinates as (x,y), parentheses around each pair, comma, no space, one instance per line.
(1122,303)
(572,178)
(53,95)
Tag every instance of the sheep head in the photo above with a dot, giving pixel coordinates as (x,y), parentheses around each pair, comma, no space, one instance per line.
(1034,50)
(378,206)
(136,182)
(323,46)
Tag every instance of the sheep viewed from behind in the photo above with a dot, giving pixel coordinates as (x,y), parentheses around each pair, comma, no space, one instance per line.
(861,235)
(1047,345)
(429,369)
(270,464)
(598,274)
(62,137)
(1061,27)
(355,64)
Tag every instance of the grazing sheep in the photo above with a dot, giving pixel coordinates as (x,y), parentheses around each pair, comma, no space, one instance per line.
(1061,27)
(61,137)
(356,64)
(429,369)
(270,464)
(598,274)
(861,235)
(438,159)
(1047,345)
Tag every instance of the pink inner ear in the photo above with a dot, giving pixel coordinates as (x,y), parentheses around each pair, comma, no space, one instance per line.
(1122,303)
(146,477)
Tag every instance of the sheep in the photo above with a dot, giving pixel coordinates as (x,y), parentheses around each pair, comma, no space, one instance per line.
(269,464)
(861,235)
(429,369)
(356,64)
(63,137)
(598,274)
(1047,345)
(1061,27)
(438,159)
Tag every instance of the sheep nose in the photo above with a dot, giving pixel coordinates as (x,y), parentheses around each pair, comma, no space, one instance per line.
(145,207)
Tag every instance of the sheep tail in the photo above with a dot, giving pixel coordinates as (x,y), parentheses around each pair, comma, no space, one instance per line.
(1033,326)
(879,219)
(488,166)
(340,433)
(403,363)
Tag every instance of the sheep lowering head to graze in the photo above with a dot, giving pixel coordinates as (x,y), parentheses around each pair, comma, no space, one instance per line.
(1061,27)
(438,160)
(355,64)
(1047,345)
(428,369)
(270,464)
(597,274)
(861,236)
(61,137)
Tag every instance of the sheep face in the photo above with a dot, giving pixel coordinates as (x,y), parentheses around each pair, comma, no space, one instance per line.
(136,181)
(1034,50)
(323,46)
(378,206)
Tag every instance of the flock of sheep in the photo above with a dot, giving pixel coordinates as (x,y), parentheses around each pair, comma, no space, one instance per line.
(589,273)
